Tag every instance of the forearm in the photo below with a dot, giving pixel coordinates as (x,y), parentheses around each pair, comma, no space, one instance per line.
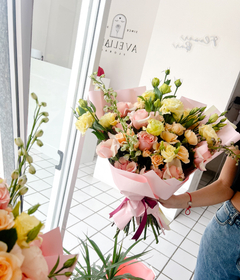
(212,194)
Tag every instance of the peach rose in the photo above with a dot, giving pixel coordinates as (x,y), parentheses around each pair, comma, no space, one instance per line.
(6,219)
(183,154)
(108,149)
(4,194)
(124,108)
(157,160)
(34,265)
(146,140)
(146,153)
(191,137)
(139,118)
(173,169)
(10,263)
(177,128)
(120,138)
(169,137)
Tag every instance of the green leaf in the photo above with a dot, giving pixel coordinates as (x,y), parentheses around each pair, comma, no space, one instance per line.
(9,236)
(98,251)
(158,93)
(99,135)
(169,96)
(55,266)
(33,233)
(167,82)
(93,107)
(98,126)
(81,110)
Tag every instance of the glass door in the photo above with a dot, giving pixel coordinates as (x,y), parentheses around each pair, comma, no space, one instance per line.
(65,40)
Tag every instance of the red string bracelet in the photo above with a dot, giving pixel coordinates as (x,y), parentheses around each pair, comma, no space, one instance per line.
(188,211)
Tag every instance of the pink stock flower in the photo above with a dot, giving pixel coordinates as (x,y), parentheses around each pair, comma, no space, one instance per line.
(34,266)
(124,108)
(201,155)
(126,165)
(146,140)
(173,169)
(4,195)
(108,149)
(139,118)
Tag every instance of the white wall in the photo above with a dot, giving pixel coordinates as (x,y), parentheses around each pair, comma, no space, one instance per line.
(55,25)
(208,72)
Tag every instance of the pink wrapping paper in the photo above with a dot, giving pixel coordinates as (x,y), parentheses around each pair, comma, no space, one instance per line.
(124,95)
(52,248)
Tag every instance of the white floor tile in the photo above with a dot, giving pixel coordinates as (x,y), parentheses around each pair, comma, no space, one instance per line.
(183,219)
(193,215)
(89,179)
(173,237)
(94,204)
(164,247)
(91,190)
(115,193)
(81,184)
(208,214)
(49,180)
(179,228)
(106,198)
(43,173)
(185,259)
(162,277)
(190,247)
(102,186)
(81,230)
(98,222)
(44,164)
(156,259)
(36,198)
(81,212)
(175,271)
(212,209)
(104,243)
(194,236)
(105,212)
(81,174)
(70,241)
(87,170)
(72,220)
(198,210)
(80,196)
(204,221)
(199,228)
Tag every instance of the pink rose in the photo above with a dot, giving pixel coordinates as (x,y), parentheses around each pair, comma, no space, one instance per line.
(173,169)
(126,165)
(139,118)
(124,108)
(4,195)
(146,140)
(108,149)
(34,265)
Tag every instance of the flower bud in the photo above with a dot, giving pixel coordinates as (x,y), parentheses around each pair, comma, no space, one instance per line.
(193,111)
(39,133)
(82,103)
(15,174)
(155,82)
(157,103)
(45,114)
(223,120)
(18,141)
(31,169)
(44,104)
(33,209)
(21,152)
(178,83)
(34,96)
(39,143)
(23,190)
(213,118)
(29,159)
(167,72)
(68,273)
(164,88)
(22,180)
(70,262)
(201,118)
(44,120)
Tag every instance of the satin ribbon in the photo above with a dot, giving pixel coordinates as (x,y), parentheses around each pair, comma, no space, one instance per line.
(145,201)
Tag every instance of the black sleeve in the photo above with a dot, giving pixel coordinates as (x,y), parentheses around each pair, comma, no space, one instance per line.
(236,183)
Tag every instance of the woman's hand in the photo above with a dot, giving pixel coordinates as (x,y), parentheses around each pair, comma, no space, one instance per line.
(176,201)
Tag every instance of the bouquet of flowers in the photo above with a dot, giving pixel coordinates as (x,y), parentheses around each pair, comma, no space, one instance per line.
(26,253)
(153,142)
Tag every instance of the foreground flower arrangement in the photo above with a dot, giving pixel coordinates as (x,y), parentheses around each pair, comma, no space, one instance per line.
(26,253)
(153,144)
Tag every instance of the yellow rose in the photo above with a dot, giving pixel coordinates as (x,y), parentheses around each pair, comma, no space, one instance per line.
(108,120)
(23,224)
(172,105)
(169,153)
(155,127)
(209,133)
(84,122)
(10,263)
(147,95)
(6,220)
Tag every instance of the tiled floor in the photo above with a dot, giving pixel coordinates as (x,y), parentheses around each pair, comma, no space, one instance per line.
(174,257)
